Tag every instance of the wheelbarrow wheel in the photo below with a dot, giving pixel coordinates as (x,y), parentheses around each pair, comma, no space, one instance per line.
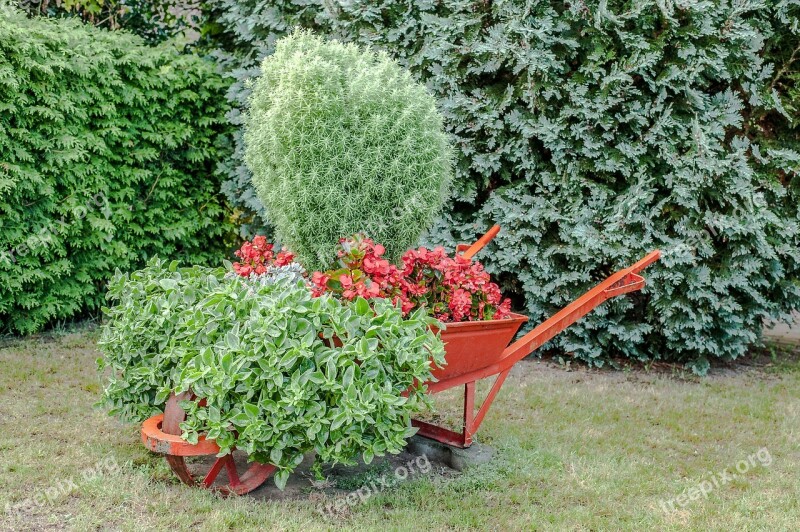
(205,471)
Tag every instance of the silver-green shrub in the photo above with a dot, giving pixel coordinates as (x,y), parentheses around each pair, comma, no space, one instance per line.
(342,140)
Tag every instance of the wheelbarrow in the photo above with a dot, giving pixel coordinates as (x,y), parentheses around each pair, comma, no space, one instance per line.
(474,350)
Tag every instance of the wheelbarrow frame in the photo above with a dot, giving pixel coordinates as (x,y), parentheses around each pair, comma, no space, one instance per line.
(622,282)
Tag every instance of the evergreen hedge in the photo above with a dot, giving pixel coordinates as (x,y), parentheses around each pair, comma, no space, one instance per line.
(593,131)
(108,153)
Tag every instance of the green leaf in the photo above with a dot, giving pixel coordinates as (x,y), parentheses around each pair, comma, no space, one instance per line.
(252,411)
(368,456)
(226,361)
(168,284)
(281,477)
(347,380)
(362,306)
(232,341)
(275,455)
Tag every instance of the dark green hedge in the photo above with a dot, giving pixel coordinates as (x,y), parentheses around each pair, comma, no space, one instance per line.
(593,132)
(108,153)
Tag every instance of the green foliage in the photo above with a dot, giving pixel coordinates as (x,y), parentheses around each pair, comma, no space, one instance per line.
(778,128)
(593,132)
(260,351)
(342,140)
(153,20)
(107,157)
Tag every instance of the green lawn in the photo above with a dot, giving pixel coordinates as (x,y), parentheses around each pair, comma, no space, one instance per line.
(575,450)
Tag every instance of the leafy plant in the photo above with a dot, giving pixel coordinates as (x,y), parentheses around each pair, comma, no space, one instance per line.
(448,288)
(340,140)
(108,153)
(283,373)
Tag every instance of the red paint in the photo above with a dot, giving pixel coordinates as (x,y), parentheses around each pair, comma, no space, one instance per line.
(473,345)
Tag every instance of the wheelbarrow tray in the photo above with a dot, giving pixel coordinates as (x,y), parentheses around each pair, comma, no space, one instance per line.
(472,345)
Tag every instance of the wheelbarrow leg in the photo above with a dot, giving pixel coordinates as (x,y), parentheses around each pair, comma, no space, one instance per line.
(444,435)
(471,420)
(478,419)
(469,413)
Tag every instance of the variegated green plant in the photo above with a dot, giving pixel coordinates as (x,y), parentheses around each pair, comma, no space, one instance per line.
(260,351)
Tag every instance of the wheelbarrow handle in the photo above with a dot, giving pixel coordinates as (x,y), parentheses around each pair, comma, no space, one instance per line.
(471,251)
(648,259)
(631,281)
(622,282)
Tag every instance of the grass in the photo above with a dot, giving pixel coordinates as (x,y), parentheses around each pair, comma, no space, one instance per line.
(574,450)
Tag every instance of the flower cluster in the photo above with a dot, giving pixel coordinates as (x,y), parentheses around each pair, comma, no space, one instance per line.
(452,289)
(363,272)
(257,257)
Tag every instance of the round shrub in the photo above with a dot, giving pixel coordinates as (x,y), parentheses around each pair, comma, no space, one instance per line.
(260,350)
(341,140)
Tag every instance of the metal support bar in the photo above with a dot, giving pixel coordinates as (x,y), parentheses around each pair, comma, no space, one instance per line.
(469,412)
(440,434)
(498,383)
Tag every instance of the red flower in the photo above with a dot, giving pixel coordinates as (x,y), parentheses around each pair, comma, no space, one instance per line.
(320,279)
(242,269)
(503,310)
(451,288)
(256,256)
(284,257)
(460,304)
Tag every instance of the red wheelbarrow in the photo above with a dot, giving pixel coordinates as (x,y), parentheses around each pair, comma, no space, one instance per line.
(477,350)
(474,350)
